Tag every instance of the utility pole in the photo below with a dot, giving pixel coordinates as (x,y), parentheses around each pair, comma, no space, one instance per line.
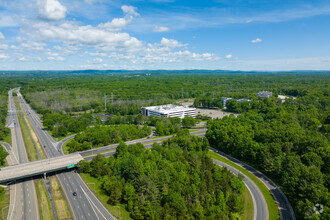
(111,98)
(181,93)
(105,102)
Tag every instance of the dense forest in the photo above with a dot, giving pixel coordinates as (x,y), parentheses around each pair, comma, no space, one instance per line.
(99,136)
(175,180)
(127,93)
(287,141)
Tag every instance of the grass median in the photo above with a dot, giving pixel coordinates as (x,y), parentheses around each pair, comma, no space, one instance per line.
(271,204)
(45,207)
(30,149)
(61,205)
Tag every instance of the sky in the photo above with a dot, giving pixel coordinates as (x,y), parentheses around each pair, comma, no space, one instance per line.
(272,35)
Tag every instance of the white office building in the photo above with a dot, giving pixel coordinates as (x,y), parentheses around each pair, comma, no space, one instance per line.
(169,111)
(265,94)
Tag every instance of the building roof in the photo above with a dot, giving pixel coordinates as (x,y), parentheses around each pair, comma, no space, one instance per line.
(167,109)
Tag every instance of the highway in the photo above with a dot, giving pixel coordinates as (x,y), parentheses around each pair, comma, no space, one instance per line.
(283,204)
(24,204)
(54,150)
(83,206)
(38,167)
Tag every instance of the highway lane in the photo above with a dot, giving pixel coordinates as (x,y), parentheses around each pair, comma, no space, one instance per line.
(6,146)
(25,204)
(283,204)
(259,202)
(83,206)
(142,141)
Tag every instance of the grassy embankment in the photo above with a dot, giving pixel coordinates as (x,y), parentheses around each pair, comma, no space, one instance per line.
(45,207)
(114,210)
(7,139)
(271,204)
(61,205)
(4,202)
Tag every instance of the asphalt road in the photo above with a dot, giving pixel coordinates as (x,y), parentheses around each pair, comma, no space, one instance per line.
(6,146)
(142,141)
(283,204)
(83,206)
(25,205)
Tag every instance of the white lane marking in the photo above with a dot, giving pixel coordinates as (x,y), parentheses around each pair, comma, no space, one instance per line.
(13,205)
(90,201)
(254,203)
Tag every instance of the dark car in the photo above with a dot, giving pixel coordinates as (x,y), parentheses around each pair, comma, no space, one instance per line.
(74,193)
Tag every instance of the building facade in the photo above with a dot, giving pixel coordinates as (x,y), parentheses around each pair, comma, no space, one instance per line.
(265,94)
(169,111)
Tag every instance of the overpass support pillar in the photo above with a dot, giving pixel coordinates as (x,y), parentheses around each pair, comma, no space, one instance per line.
(45,176)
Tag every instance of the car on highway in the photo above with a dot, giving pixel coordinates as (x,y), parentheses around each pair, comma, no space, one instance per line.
(74,193)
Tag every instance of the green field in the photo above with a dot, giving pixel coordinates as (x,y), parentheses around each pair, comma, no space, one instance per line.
(45,207)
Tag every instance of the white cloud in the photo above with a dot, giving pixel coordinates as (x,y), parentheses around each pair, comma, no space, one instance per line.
(3,46)
(229,56)
(130,10)
(56,58)
(96,54)
(2,37)
(3,56)
(51,9)
(7,21)
(160,29)
(171,43)
(258,40)
(89,36)
(96,60)
(29,45)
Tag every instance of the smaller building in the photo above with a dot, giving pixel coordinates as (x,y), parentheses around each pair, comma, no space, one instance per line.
(225,99)
(265,94)
(169,111)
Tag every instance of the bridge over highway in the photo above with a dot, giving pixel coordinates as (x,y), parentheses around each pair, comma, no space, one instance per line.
(38,167)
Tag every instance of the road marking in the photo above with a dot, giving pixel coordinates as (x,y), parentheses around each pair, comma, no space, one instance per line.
(67,198)
(90,201)
(35,199)
(14,204)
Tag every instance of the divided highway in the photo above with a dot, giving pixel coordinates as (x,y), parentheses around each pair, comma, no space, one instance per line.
(83,206)
(24,203)
(87,206)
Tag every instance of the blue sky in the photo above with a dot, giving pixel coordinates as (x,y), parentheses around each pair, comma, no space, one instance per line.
(164,34)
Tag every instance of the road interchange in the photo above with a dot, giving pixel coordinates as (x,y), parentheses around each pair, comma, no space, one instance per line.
(70,181)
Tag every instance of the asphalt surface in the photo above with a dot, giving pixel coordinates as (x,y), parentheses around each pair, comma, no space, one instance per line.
(83,206)
(6,146)
(25,203)
(142,141)
(283,204)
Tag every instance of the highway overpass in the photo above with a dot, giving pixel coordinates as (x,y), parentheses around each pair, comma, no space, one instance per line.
(38,167)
